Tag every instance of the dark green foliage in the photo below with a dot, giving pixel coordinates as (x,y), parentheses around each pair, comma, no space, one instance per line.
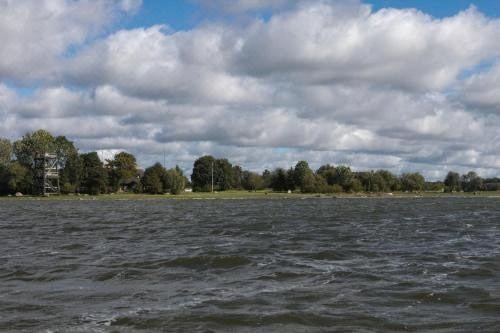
(236,177)
(174,181)
(154,179)
(356,186)
(64,149)
(434,186)
(201,178)
(41,142)
(4,179)
(71,173)
(32,144)
(471,182)
(375,181)
(308,183)
(93,174)
(369,180)
(16,178)
(452,182)
(6,150)
(341,176)
(279,180)
(223,174)
(252,181)
(290,179)
(302,175)
(122,171)
(266,178)
(70,165)
(388,181)
(412,182)
(491,184)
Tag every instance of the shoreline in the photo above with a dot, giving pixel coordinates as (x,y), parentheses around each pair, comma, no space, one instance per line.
(245,195)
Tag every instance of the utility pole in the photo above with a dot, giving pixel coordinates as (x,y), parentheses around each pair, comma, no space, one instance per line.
(212,176)
(164,158)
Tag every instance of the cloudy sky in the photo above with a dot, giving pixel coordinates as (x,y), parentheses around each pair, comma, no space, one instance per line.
(399,85)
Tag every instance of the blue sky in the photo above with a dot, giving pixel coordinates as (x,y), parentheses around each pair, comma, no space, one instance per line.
(185,14)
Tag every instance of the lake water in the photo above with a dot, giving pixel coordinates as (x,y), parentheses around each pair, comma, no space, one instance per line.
(313,265)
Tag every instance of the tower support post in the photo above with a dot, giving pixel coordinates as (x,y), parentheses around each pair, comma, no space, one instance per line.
(47,174)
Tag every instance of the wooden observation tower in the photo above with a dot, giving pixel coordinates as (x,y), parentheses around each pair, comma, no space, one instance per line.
(47,174)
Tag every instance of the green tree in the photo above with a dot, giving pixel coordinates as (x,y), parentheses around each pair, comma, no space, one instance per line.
(434,186)
(279,180)
(4,179)
(223,174)
(491,184)
(122,169)
(309,183)
(201,178)
(389,182)
(15,177)
(93,174)
(412,182)
(471,182)
(327,171)
(5,151)
(153,179)
(64,149)
(33,144)
(174,181)
(356,186)
(452,182)
(70,165)
(300,172)
(236,177)
(71,173)
(252,181)
(266,178)
(290,179)
(341,175)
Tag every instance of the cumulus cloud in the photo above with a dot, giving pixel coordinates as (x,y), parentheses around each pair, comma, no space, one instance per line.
(185,67)
(37,34)
(482,90)
(323,43)
(324,81)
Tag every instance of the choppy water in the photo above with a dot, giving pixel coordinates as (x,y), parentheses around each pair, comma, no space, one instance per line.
(314,265)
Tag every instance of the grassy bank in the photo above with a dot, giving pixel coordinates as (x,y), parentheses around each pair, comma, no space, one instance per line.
(252,195)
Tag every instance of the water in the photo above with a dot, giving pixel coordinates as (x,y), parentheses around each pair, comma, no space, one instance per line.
(360,265)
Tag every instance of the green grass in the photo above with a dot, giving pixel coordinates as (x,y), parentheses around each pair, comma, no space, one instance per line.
(249,195)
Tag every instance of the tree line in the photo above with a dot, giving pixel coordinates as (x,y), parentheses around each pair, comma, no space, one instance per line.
(327,179)
(86,173)
(80,172)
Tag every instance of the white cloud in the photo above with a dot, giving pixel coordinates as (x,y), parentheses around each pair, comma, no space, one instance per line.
(321,81)
(130,6)
(36,34)
(187,67)
(482,90)
(324,43)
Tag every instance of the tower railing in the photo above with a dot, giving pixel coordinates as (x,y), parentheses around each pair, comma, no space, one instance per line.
(47,174)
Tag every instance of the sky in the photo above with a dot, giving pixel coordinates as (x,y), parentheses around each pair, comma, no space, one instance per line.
(389,84)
